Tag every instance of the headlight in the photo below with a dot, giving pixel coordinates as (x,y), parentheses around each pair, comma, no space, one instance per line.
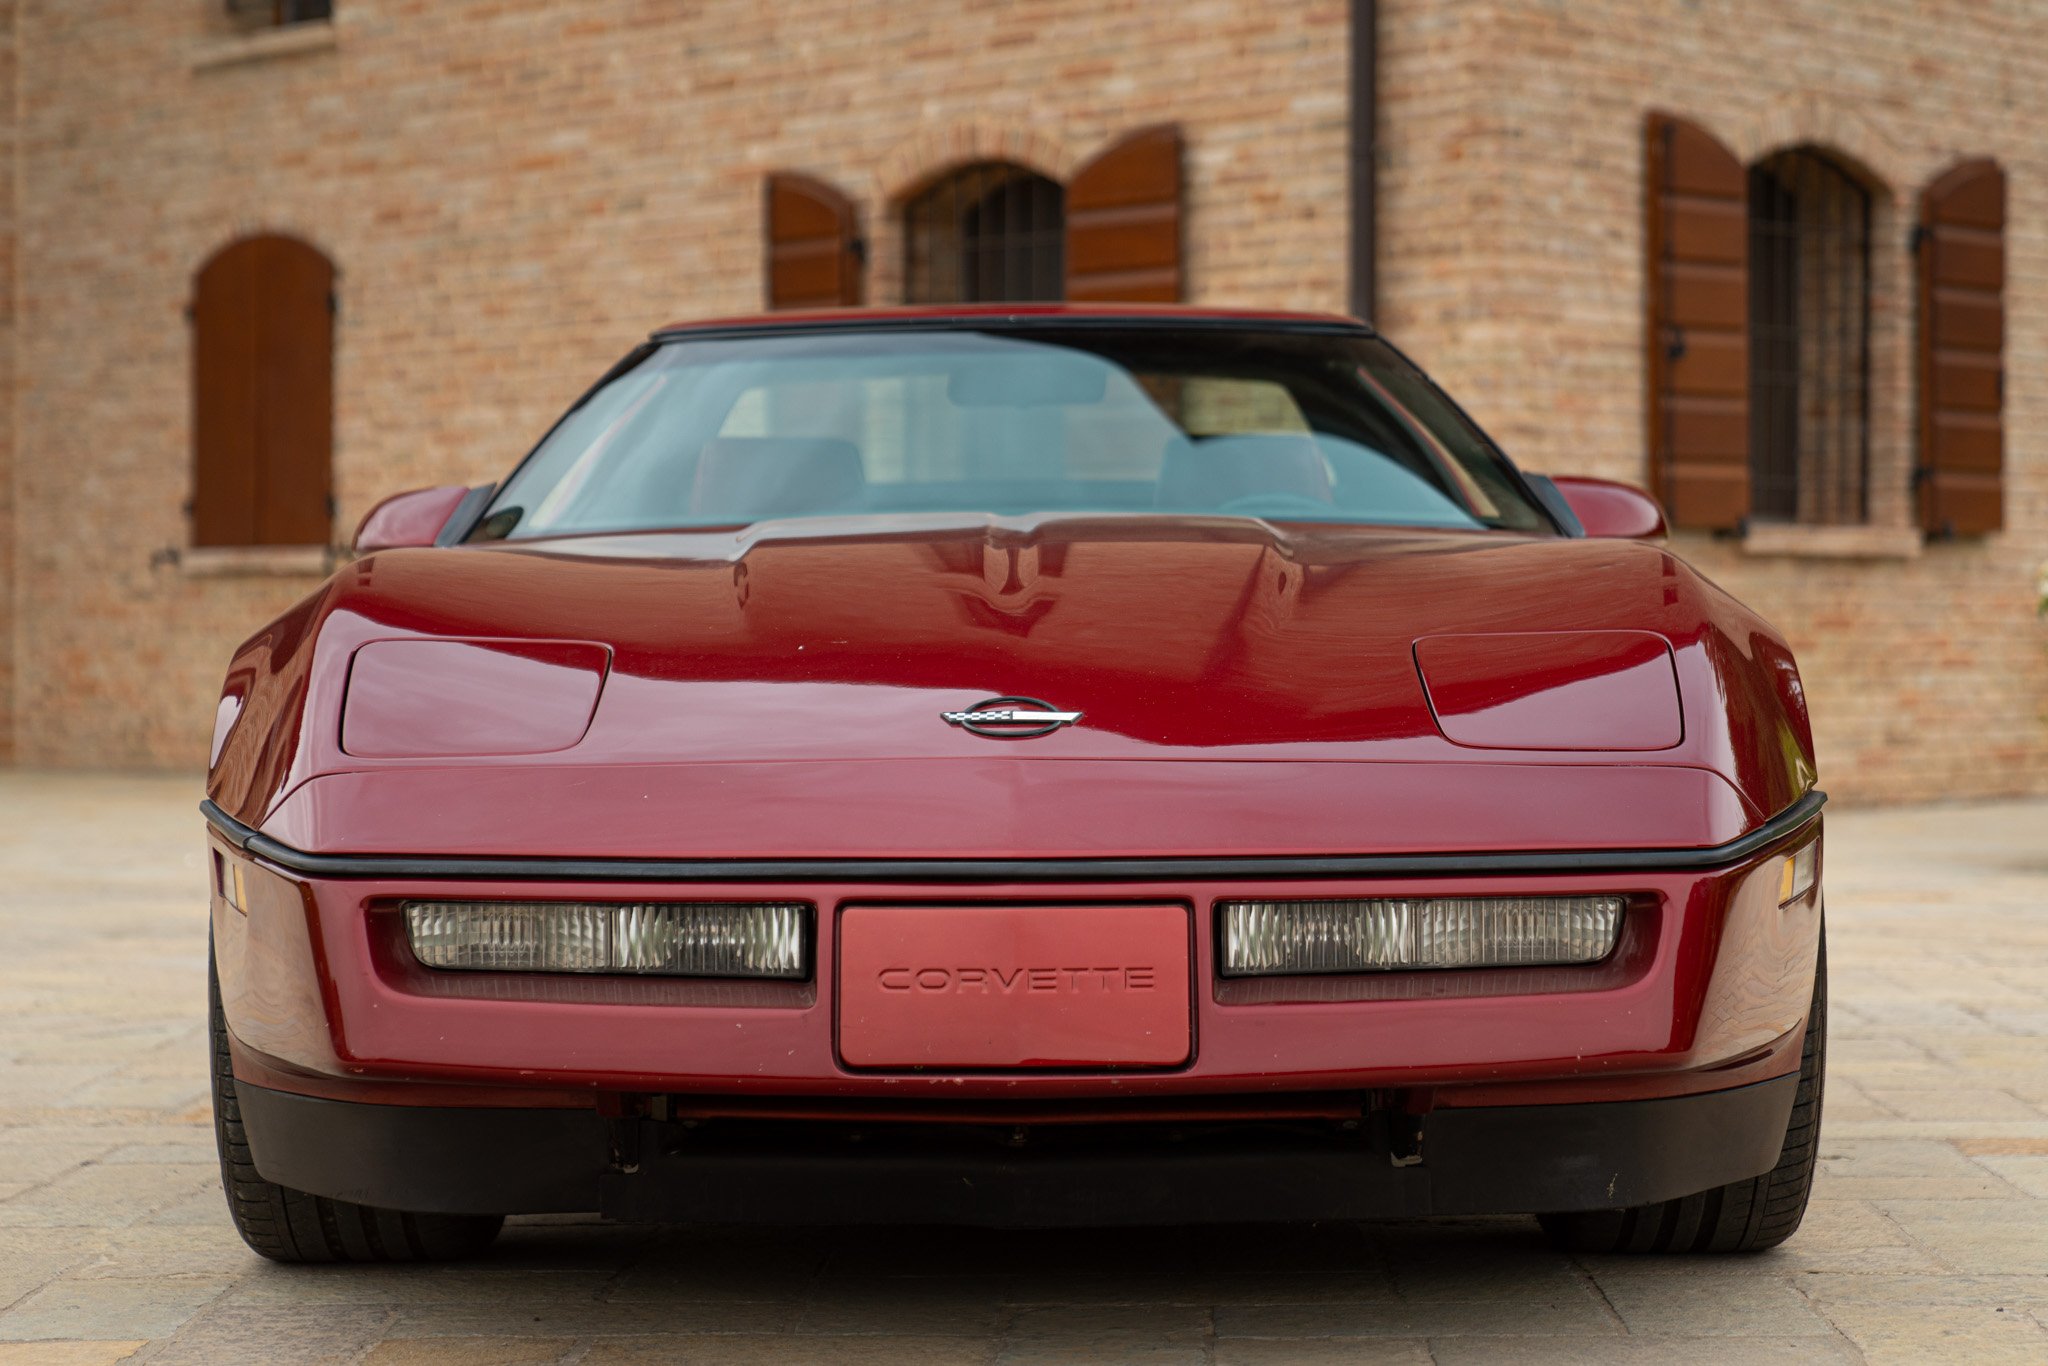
(1384,934)
(1594,690)
(676,939)
(428,699)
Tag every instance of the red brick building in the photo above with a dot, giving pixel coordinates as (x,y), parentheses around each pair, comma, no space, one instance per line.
(268,260)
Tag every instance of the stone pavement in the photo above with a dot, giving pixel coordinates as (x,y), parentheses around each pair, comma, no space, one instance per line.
(1928,1238)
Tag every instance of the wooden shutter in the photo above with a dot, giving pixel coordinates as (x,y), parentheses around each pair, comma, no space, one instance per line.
(1698,280)
(1124,222)
(1961,251)
(223,400)
(814,246)
(263,395)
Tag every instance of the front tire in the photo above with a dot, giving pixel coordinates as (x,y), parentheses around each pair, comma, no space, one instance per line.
(1742,1216)
(286,1225)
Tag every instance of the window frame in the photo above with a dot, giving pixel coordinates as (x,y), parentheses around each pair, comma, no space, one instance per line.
(485,524)
(931,256)
(278,14)
(1803,326)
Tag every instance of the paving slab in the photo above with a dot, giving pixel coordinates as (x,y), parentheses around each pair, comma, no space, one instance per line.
(67,1353)
(1915,1333)
(1643,1351)
(229,1335)
(73,1308)
(1927,1239)
(1711,1301)
(755,1350)
(471,1351)
(1322,1352)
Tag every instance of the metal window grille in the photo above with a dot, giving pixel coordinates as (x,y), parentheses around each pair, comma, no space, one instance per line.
(1809,345)
(991,232)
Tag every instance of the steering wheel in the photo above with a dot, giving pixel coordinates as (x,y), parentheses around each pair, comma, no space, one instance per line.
(1296,505)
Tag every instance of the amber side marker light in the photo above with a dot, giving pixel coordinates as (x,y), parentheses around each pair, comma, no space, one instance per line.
(672,939)
(1391,934)
(1798,872)
(227,878)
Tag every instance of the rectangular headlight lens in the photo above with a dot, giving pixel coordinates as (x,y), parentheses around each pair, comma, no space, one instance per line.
(1386,934)
(676,939)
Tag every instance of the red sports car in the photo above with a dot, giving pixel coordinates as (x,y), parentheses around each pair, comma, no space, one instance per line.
(1015,766)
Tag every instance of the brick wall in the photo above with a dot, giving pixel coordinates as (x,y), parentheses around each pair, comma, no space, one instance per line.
(514,194)
(9,538)
(1513,267)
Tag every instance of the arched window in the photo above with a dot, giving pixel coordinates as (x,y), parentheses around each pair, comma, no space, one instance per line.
(995,231)
(263,395)
(1809,339)
(990,232)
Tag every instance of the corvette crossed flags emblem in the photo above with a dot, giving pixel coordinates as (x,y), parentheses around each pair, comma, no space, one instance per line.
(1011,718)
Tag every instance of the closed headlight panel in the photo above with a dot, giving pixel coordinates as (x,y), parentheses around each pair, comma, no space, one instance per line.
(1590,690)
(429,699)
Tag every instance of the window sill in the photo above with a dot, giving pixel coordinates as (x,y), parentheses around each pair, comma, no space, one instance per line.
(293,40)
(1833,542)
(256,562)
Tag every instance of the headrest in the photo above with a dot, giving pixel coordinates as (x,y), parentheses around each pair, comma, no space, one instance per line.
(1208,472)
(749,477)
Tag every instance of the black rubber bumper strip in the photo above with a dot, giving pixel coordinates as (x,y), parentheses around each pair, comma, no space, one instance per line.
(1025,870)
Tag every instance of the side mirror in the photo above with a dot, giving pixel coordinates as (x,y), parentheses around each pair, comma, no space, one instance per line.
(1604,508)
(410,519)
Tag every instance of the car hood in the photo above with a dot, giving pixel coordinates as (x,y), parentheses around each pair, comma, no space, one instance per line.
(844,642)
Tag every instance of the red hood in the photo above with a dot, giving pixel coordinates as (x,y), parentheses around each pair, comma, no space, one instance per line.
(1178,639)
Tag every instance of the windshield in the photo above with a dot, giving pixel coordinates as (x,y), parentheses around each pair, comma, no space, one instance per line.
(1283,425)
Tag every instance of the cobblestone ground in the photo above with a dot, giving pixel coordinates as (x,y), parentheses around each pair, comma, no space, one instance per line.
(1928,1238)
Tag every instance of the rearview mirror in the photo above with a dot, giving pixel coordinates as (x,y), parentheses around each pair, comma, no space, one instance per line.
(1605,508)
(410,519)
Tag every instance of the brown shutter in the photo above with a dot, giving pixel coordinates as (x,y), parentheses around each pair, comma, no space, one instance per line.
(223,397)
(263,395)
(294,394)
(1961,250)
(1124,222)
(814,247)
(1698,280)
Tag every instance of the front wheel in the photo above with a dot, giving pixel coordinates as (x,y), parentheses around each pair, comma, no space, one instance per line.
(1742,1216)
(286,1225)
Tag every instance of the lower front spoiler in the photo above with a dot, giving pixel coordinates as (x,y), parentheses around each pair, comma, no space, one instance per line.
(1497,1160)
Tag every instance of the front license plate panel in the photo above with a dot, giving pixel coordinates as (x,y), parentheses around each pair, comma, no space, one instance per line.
(944,987)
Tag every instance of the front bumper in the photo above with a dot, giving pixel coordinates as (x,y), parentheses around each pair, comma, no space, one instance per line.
(1664,1070)
(1706,990)
(1492,1159)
